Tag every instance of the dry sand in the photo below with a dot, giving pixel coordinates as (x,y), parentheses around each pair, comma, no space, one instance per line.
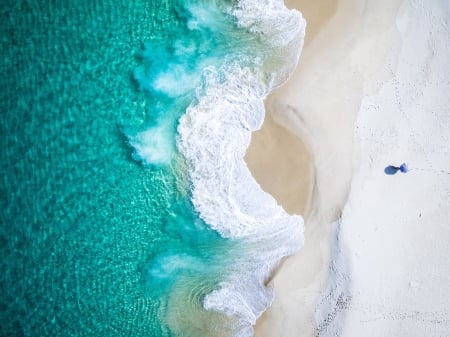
(391,247)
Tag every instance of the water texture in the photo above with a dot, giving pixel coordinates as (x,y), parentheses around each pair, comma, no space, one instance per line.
(113,116)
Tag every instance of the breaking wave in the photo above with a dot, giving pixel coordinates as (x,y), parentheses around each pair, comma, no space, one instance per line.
(226,80)
(214,135)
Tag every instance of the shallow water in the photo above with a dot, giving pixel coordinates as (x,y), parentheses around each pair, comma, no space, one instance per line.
(102,232)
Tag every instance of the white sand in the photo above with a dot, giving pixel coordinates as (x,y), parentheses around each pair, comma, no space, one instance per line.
(392,247)
(390,261)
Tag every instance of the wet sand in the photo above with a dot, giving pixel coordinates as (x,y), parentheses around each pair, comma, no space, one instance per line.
(274,157)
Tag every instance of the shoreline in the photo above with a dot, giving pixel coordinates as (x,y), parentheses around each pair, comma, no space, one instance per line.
(274,137)
(341,61)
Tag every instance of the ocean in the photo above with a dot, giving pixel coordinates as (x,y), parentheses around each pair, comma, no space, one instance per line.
(127,208)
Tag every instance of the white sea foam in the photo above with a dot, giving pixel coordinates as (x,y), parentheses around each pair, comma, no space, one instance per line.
(154,145)
(282,30)
(213,136)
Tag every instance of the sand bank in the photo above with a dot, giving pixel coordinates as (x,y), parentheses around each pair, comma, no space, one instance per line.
(351,49)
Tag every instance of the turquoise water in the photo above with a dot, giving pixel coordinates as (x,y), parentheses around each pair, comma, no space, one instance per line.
(99,235)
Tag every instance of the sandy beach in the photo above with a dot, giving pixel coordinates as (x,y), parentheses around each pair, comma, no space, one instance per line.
(371,89)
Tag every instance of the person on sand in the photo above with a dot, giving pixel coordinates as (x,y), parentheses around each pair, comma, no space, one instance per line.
(394,169)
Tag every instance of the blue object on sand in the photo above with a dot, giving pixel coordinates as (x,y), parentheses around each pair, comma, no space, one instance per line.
(403,168)
(391,169)
(394,169)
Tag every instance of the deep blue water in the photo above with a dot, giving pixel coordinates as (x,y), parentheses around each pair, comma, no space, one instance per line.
(99,235)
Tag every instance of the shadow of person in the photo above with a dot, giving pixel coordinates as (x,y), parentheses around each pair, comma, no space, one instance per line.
(390,170)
